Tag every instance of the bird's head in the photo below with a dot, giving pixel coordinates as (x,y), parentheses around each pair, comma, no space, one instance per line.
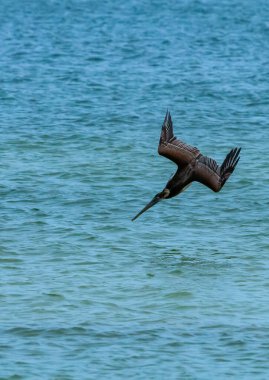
(158,197)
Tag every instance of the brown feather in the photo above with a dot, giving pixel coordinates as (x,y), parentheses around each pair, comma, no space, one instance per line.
(172,148)
(213,176)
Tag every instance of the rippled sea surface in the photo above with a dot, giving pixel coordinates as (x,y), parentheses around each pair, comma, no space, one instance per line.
(182,292)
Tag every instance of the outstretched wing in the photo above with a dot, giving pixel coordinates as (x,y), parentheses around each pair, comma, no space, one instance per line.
(172,148)
(229,164)
(213,176)
(207,172)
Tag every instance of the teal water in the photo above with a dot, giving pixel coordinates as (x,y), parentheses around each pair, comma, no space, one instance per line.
(181,293)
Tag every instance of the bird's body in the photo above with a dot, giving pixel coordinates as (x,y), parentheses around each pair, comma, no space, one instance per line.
(180,181)
(192,166)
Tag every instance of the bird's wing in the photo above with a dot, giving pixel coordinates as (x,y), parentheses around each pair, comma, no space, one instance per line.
(207,172)
(229,164)
(213,176)
(172,148)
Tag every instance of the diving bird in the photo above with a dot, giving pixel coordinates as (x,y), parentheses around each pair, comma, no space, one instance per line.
(192,166)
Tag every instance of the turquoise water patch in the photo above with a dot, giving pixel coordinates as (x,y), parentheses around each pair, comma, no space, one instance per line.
(182,292)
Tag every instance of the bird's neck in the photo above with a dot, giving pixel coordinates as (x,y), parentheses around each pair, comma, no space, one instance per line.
(165,193)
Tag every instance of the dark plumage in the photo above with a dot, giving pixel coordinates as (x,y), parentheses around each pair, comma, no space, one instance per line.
(192,166)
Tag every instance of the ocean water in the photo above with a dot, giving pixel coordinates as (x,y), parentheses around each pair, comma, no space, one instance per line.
(182,292)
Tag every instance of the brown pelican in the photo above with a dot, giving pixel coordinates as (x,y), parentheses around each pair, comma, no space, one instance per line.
(192,166)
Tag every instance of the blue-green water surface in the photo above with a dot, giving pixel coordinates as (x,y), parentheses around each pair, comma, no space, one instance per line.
(182,292)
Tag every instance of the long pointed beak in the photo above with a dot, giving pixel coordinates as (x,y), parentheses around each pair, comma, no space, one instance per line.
(149,205)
